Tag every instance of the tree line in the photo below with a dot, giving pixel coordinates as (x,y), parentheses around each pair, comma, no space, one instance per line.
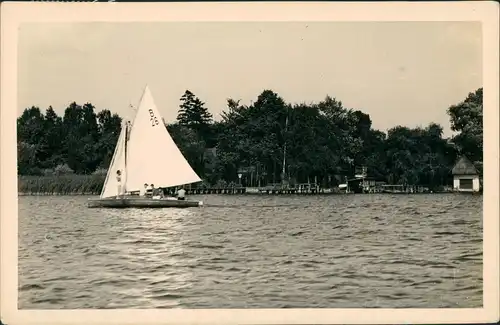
(268,141)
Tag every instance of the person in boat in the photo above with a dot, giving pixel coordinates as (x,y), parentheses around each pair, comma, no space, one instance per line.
(181,194)
(119,183)
(150,190)
(142,192)
(158,193)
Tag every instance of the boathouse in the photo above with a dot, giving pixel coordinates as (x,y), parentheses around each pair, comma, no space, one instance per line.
(361,185)
(465,176)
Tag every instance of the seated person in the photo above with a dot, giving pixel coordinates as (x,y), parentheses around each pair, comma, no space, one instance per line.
(149,190)
(181,194)
(158,193)
(143,191)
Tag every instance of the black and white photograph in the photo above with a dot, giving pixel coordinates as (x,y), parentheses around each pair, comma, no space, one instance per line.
(245,163)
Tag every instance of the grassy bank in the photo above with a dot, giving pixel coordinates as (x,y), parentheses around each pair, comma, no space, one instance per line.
(62,185)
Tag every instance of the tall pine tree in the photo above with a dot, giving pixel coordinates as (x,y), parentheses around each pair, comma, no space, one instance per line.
(193,113)
(52,140)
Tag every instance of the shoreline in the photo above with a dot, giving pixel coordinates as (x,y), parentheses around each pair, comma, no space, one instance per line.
(91,185)
(55,194)
(256,194)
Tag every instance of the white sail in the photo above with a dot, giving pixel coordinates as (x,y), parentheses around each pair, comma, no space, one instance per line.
(110,187)
(152,155)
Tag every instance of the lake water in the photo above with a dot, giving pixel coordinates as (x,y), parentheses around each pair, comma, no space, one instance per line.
(254,252)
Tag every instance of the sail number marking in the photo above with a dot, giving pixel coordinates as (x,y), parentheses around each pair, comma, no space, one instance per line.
(152,118)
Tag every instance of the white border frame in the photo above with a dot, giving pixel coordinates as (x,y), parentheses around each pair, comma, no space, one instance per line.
(15,13)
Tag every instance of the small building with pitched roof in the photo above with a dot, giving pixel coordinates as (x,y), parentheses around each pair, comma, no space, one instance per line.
(465,176)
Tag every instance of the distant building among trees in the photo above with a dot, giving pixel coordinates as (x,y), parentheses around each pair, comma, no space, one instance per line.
(465,176)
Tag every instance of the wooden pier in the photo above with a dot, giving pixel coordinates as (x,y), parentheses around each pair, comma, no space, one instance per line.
(251,191)
(201,191)
(257,191)
(285,191)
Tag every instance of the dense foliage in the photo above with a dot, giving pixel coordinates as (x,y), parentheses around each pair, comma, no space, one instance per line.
(323,142)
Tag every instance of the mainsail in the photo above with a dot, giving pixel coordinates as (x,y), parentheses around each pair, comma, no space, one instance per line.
(151,154)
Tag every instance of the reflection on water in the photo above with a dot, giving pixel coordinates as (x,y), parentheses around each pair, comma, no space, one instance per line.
(253,252)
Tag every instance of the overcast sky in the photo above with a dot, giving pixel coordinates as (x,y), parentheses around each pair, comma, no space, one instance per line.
(399,73)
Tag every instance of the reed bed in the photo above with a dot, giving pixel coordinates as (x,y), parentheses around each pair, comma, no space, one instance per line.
(60,185)
(73,184)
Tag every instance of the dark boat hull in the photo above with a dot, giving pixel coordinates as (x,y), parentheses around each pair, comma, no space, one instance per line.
(144,203)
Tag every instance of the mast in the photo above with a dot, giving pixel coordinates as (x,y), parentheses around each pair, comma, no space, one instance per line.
(125,172)
(284,158)
(125,145)
(284,151)
(128,127)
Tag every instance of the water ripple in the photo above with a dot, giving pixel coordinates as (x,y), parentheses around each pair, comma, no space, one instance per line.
(380,251)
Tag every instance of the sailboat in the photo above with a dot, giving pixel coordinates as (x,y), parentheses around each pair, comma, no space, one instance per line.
(145,153)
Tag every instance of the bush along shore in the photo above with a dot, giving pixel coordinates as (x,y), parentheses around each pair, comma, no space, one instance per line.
(60,185)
